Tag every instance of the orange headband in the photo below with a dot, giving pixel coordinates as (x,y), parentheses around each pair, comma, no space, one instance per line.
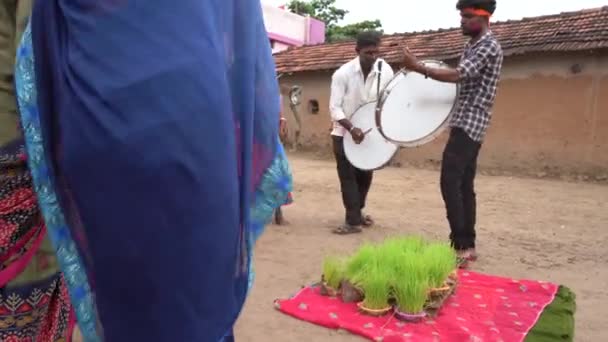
(478,12)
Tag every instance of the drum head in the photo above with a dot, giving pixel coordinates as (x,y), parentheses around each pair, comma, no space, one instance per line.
(375,151)
(415,109)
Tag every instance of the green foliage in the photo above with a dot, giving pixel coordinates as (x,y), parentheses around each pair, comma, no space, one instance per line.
(323,10)
(405,244)
(333,271)
(375,285)
(356,265)
(348,32)
(440,261)
(326,11)
(411,283)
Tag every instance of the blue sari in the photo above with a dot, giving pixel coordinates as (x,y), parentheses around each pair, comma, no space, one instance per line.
(152,136)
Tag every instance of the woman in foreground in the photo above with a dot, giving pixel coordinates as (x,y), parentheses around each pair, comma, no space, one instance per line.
(152,138)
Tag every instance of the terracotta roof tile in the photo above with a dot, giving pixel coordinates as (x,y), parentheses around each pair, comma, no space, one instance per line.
(572,31)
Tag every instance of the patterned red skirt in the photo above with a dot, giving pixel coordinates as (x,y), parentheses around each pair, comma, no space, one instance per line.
(34,302)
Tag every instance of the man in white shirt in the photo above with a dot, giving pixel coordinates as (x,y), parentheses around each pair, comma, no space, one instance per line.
(354,84)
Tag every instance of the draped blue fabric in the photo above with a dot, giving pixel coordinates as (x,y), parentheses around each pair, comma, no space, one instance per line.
(152,137)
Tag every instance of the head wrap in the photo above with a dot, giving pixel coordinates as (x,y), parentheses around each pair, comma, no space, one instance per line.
(484,8)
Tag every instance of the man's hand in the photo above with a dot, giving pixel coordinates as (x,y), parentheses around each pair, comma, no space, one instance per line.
(357,135)
(410,61)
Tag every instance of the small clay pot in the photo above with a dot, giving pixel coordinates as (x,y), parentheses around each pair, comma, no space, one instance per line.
(407,317)
(440,291)
(438,296)
(373,312)
(350,293)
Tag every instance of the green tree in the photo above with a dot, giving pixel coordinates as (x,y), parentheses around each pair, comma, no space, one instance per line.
(326,11)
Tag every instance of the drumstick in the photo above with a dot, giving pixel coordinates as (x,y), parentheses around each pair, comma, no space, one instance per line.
(365,133)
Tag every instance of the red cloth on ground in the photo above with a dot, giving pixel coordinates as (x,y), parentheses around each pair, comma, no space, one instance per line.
(483,309)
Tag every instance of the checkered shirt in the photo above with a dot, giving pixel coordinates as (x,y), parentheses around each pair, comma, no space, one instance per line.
(479,70)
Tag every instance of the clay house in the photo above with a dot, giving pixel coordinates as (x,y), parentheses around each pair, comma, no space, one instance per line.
(551,113)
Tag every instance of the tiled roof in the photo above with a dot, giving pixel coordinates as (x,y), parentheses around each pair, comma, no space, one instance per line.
(572,31)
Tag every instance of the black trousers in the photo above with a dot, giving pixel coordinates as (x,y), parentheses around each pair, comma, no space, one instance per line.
(354,184)
(458,170)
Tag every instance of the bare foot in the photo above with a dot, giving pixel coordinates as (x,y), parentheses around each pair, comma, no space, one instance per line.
(466,256)
(472,254)
(463,258)
(463,254)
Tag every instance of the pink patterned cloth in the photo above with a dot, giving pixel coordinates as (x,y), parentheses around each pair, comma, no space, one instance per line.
(484,308)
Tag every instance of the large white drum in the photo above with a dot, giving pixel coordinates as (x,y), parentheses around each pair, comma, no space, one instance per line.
(375,151)
(413,110)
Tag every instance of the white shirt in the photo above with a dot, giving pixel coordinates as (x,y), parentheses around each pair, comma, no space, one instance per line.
(349,91)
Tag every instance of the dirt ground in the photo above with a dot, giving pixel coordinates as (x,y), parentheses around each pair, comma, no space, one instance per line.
(527,228)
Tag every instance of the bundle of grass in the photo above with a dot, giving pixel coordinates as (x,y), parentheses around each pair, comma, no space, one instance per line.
(440,261)
(405,244)
(387,257)
(333,273)
(392,243)
(410,289)
(390,256)
(375,285)
(356,269)
(363,258)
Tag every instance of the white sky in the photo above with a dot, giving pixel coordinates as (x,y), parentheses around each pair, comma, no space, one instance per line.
(398,16)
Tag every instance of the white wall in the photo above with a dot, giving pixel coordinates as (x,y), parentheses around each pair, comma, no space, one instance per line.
(285,23)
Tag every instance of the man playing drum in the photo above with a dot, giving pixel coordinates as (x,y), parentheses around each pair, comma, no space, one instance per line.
(354,84)
(477,73)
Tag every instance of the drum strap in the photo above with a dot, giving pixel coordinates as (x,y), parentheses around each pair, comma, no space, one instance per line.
(379,78)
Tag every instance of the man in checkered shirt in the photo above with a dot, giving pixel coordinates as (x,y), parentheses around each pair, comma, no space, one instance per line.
(477,73)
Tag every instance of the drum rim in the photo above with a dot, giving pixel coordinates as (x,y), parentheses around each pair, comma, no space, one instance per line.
(427,138)
(385,164)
